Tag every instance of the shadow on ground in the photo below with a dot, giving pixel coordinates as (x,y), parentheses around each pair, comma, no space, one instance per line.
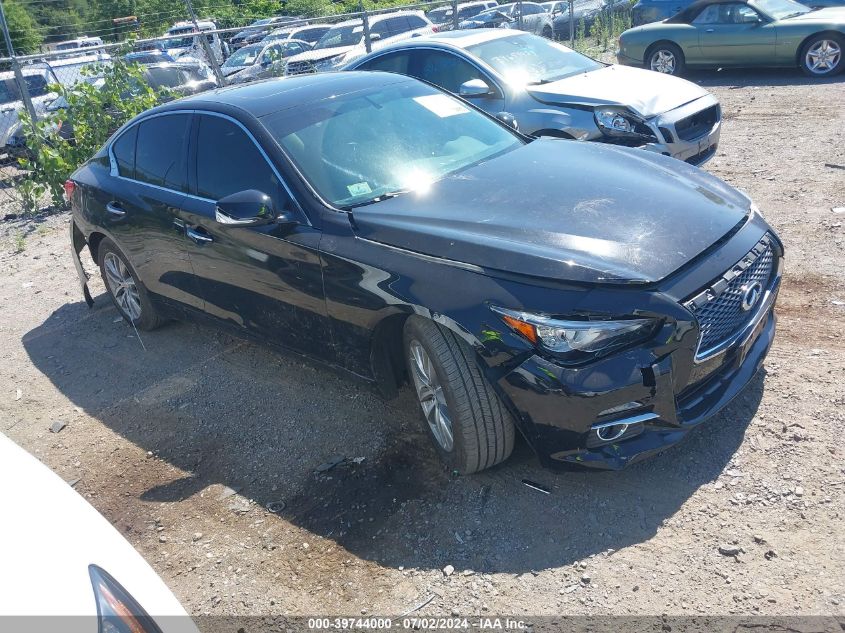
(743,77)
(229,412)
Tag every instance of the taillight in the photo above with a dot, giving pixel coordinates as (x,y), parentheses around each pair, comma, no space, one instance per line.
(435,29)
(70,187)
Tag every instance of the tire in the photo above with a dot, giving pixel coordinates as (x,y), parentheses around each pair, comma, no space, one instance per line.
(548,33)
(482,430)
(666,55)
(130,298)
(829,45)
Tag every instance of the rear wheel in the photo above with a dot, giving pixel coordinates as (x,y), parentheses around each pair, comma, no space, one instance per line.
(822,55)
(666,58)
(128,295)
(547,32)
(470,427)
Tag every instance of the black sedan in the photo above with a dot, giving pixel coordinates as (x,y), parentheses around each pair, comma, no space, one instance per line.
(381,226)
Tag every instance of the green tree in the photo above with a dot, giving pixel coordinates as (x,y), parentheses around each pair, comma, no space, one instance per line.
(22,28)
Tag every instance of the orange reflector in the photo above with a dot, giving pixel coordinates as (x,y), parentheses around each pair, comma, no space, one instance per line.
(526,329)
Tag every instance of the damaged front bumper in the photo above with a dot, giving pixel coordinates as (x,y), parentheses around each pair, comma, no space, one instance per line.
(623,409)
(77,242)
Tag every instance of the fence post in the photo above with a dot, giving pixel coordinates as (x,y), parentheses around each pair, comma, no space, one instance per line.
(209,53)
(455,20)
(16,67)
(571,23)
(368,44)
(519,18)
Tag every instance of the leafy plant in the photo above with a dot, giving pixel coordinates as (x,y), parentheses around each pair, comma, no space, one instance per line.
(20,243)
(90,111)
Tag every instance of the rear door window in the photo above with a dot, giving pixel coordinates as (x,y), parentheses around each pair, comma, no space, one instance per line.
(123,150)
(390,63)
(161,154)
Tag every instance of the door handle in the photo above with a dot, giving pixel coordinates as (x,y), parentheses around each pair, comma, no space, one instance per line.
(709,30)
(115,209)
(198,237)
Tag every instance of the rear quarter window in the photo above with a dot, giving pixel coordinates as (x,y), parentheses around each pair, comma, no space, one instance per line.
(123,150)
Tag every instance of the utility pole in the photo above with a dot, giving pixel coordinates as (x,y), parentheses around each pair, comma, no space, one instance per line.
(212,60)
(27,102)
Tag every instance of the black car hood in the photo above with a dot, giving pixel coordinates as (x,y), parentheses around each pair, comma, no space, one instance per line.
(565,210)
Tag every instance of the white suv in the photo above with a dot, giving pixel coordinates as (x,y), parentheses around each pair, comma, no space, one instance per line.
(344,42)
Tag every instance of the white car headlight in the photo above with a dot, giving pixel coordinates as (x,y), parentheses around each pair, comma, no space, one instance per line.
(577,340)
(614,122)
(329,63)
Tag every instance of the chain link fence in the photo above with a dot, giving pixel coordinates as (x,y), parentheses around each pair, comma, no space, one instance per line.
(35,83)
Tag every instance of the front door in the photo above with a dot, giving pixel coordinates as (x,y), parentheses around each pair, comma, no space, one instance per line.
(734,33)
(266,280)
(449,71)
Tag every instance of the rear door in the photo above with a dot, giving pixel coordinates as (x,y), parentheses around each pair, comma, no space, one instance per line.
(265,280)
(141,205)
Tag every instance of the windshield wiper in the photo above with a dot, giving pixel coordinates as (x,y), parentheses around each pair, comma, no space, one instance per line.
(539,82)
(379,198)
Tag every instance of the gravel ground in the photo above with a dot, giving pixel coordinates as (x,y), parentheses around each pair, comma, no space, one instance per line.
(185,444)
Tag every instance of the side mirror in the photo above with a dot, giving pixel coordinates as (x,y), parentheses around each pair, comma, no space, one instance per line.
(474,88)
(374,37)
(245,208)
(508,119)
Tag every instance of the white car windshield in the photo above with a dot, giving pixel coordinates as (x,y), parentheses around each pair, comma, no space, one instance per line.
(524,60)
(369,145)
(245,56)
(349,35)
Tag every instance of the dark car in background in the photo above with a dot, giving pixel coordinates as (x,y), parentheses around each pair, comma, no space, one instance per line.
(262,60)
(587,11)
(600,300)
(444,17)
(258,29)
(533,19)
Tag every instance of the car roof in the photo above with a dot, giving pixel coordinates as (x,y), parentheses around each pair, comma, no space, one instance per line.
(459,39)
(266,97)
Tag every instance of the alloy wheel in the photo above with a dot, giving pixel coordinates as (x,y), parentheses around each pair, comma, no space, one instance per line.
(663,61)
(823,56)
(122,286)
(431,396)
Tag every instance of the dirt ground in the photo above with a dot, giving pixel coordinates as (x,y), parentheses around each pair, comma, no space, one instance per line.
(184,444)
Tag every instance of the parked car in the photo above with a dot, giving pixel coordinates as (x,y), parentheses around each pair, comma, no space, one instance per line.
(257,30)
(150,56)
(552,90)
(534,19)
(740,33)
(260,61)
(600,299)
(94,574)
(72,68)
(186,43)
(83,42)
(586,12)
(345,41)
(38,80)
(310,33)
(555,8)
(443,17)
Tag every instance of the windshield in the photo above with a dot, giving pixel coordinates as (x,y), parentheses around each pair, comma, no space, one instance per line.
(37,86)
(780,9)
(179,42)
(359,148)
(523,60)
(245,56)
(507,9)
(171,77)
(349,35)
(439,15)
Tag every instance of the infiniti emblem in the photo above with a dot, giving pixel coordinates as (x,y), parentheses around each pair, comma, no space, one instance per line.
(751,294)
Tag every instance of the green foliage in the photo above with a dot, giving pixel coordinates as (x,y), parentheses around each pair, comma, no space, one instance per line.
(20,243)
(92,114)
(22,28)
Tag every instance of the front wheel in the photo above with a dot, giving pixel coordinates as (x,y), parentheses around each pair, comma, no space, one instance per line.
(470,427)
(547,32)
(666,58)
(822,56)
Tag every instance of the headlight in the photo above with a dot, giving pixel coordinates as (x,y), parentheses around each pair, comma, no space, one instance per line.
(574,340)
(616,123)
(329,63)
(117,611)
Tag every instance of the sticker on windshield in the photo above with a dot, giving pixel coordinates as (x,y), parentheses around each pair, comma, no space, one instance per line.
(442,105)
(359,189)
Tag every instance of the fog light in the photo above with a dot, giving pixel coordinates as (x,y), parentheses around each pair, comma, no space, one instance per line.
(611,432)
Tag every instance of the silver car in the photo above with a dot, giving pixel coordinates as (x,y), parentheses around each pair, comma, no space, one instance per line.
(552,90)
(533,19)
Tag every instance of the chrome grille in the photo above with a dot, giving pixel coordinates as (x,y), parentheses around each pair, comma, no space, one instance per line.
(299,68)
(719,309)
(698,124)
